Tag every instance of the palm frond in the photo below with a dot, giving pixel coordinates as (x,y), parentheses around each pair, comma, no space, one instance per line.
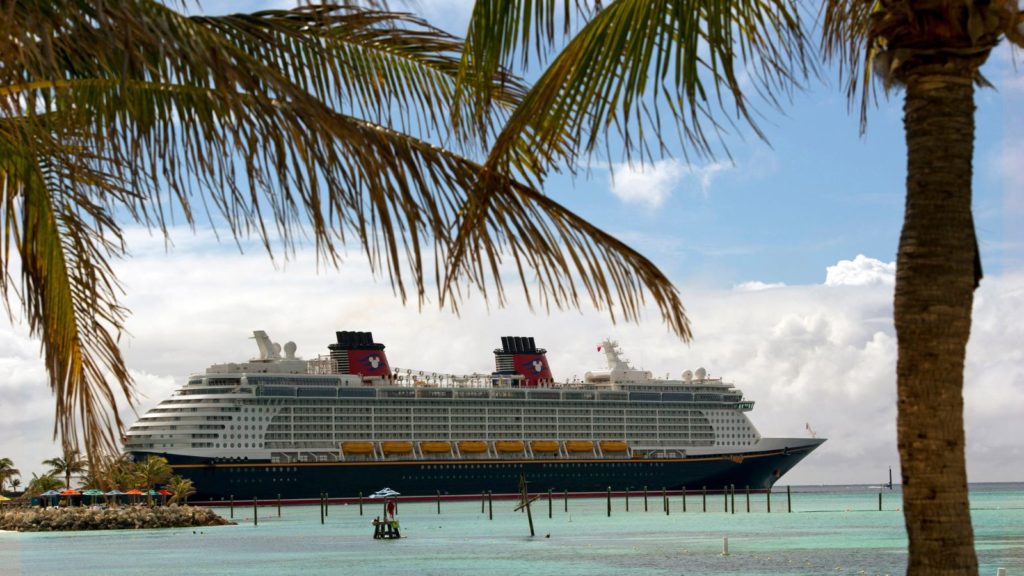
(632,66)
(637,59)
(64,241)
(277,125)
(846,39)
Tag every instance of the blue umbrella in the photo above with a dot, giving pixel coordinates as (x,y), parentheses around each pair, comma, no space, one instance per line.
(116,494)
(50,495)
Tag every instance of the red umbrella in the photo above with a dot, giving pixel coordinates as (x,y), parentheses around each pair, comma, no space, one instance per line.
(164,492)
(70,492)
(135,492)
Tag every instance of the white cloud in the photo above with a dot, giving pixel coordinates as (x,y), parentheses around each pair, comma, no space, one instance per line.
(757,285)
(651,184)
(861,271)
(802,353)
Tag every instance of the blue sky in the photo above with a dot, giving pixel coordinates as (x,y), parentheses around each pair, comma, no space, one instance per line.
(783,258)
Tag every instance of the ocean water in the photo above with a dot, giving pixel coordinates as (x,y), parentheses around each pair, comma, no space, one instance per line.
(832,529)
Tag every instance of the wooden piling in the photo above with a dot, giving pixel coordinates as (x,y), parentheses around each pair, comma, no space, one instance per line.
(748,499)
(725,497)
(664,496)
(684,499)
(732,497)
(565,499)
(768,497)
(438,501)
(550,510)
(278,505)
(255,513)
(627,499)
(645,498)
(321,507)
(789,500)
(609,501)
(327,504)
(483,500)
(231,499)
(490,505)
(704,497)
(879,501)
(360,503)
(529,513)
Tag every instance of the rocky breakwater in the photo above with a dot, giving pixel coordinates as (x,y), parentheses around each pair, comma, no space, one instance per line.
(125,517)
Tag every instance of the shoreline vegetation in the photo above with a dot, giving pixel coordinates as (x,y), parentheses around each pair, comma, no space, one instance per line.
(70,518)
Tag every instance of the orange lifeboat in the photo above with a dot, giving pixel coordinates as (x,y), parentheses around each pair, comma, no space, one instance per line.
(614,446)
(472,447)
(544,445)
(357,447)
(509,446)
(579,446)
(394,447)
(435,447)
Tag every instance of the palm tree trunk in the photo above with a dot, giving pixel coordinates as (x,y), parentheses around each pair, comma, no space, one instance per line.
(937,271)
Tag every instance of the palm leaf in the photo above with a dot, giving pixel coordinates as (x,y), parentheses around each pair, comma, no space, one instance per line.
(630,63)
(316,121)
(634,60)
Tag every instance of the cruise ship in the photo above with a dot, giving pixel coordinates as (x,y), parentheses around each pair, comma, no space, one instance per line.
(347,423)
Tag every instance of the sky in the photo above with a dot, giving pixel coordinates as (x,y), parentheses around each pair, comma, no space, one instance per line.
(784,257)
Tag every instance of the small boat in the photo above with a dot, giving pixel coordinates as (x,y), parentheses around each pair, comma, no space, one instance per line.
(544,446)
(385,493)
(509,446)
(435,447)
(394,447)
(357,447)
(472,447)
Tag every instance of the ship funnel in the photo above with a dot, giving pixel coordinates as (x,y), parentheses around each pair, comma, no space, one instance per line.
(520,356)
(357,353)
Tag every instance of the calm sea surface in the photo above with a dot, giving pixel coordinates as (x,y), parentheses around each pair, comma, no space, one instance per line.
(832,529)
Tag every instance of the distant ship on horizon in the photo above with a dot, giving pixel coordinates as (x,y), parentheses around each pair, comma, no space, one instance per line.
(347,423)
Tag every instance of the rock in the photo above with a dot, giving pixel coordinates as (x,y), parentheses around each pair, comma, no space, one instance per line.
(123,517)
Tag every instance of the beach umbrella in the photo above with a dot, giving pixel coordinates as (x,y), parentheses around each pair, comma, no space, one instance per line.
(70,492)
(164,493)
(92,493)
(3,498)
(115,493)
(134,493)
(50,493)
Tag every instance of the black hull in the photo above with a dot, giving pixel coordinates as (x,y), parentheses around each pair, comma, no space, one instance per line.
(220,481)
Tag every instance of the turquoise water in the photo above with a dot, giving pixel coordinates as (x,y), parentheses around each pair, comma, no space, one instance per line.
(836,530)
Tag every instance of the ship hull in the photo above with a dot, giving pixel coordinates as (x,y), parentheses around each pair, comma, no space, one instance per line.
(220,481)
